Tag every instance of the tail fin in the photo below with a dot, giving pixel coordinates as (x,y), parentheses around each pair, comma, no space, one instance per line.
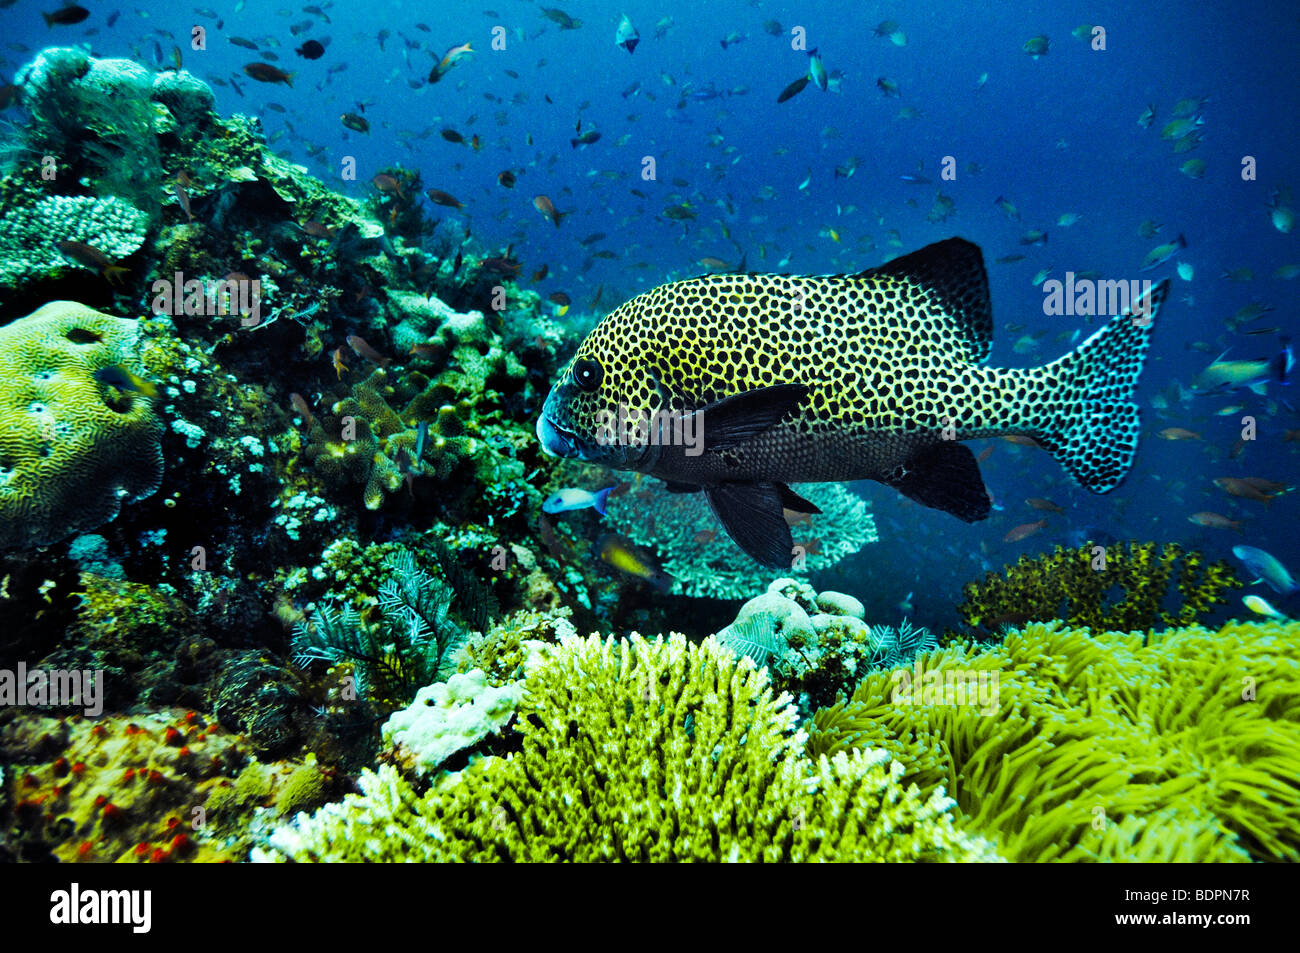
(1096,435)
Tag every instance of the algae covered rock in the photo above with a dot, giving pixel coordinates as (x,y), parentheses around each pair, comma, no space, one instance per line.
(72,449)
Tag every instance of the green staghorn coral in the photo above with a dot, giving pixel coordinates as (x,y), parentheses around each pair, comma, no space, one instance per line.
(651,751)
(696,551)
(1122,588)
(1184,745)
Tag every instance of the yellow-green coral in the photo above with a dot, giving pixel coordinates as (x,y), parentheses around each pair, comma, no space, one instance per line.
(1119,588)
(1181,745)
(652,751)
(72,449)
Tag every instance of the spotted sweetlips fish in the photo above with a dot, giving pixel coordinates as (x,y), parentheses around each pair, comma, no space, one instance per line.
(736,385)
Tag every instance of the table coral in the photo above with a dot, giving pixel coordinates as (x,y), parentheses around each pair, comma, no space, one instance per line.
(696,551)
(72,450)
(29,234)
(653,751)
(1181,745)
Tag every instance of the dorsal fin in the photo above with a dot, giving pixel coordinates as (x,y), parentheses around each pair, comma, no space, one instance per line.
(952,272)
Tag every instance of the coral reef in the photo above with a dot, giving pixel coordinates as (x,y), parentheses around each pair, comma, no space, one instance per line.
(404,649)
(636,750)
(1123,588)
(447,717)
(141,788)
(816,645)
(30,235)
(1068,745)
(693,549)
(72,449)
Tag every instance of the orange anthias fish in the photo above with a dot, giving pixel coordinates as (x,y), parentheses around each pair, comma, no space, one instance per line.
(299,404)
(445,199)
(266,73)
(1024,531)
(1214,521)
(386,183)
(1236,486)
(339,366)
(1178,433)
(544,205)
(1038,503)
(92,257)
(364,350)
(182,196)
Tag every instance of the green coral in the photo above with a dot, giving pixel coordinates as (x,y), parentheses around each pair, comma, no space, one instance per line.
(817,646)
(1122,588)
(72,450)
(1182,745)
(703,560)
(651,751)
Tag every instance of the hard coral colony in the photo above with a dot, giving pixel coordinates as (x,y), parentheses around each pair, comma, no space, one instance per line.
(330,517)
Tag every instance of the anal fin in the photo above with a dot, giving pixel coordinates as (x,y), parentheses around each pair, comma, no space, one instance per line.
(945,476)
(793,501)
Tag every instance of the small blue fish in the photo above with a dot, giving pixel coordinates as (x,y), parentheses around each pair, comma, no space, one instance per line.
(574,498)
(119,377)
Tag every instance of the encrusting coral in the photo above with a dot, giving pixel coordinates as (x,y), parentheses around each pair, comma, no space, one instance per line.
(1119,588)
(651,751)
(1069,746)
(72,449)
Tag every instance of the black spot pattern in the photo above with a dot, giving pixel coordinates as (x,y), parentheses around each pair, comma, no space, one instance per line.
(891,358)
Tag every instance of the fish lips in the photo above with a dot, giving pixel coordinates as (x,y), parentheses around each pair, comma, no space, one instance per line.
(558,442)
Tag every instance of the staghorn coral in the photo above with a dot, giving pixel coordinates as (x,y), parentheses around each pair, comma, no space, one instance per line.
(1126,590)
(702,559)
(72,450)
(636,750)
(1178,746)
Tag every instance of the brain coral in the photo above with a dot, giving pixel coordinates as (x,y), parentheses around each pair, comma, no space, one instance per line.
(72,450)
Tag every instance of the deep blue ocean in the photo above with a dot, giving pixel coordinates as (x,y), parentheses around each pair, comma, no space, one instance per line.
(1054,135)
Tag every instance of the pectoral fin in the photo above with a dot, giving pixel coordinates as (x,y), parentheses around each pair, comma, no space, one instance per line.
(742,417)
(751,514)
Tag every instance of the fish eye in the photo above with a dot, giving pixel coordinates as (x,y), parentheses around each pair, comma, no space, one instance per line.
(587,374)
